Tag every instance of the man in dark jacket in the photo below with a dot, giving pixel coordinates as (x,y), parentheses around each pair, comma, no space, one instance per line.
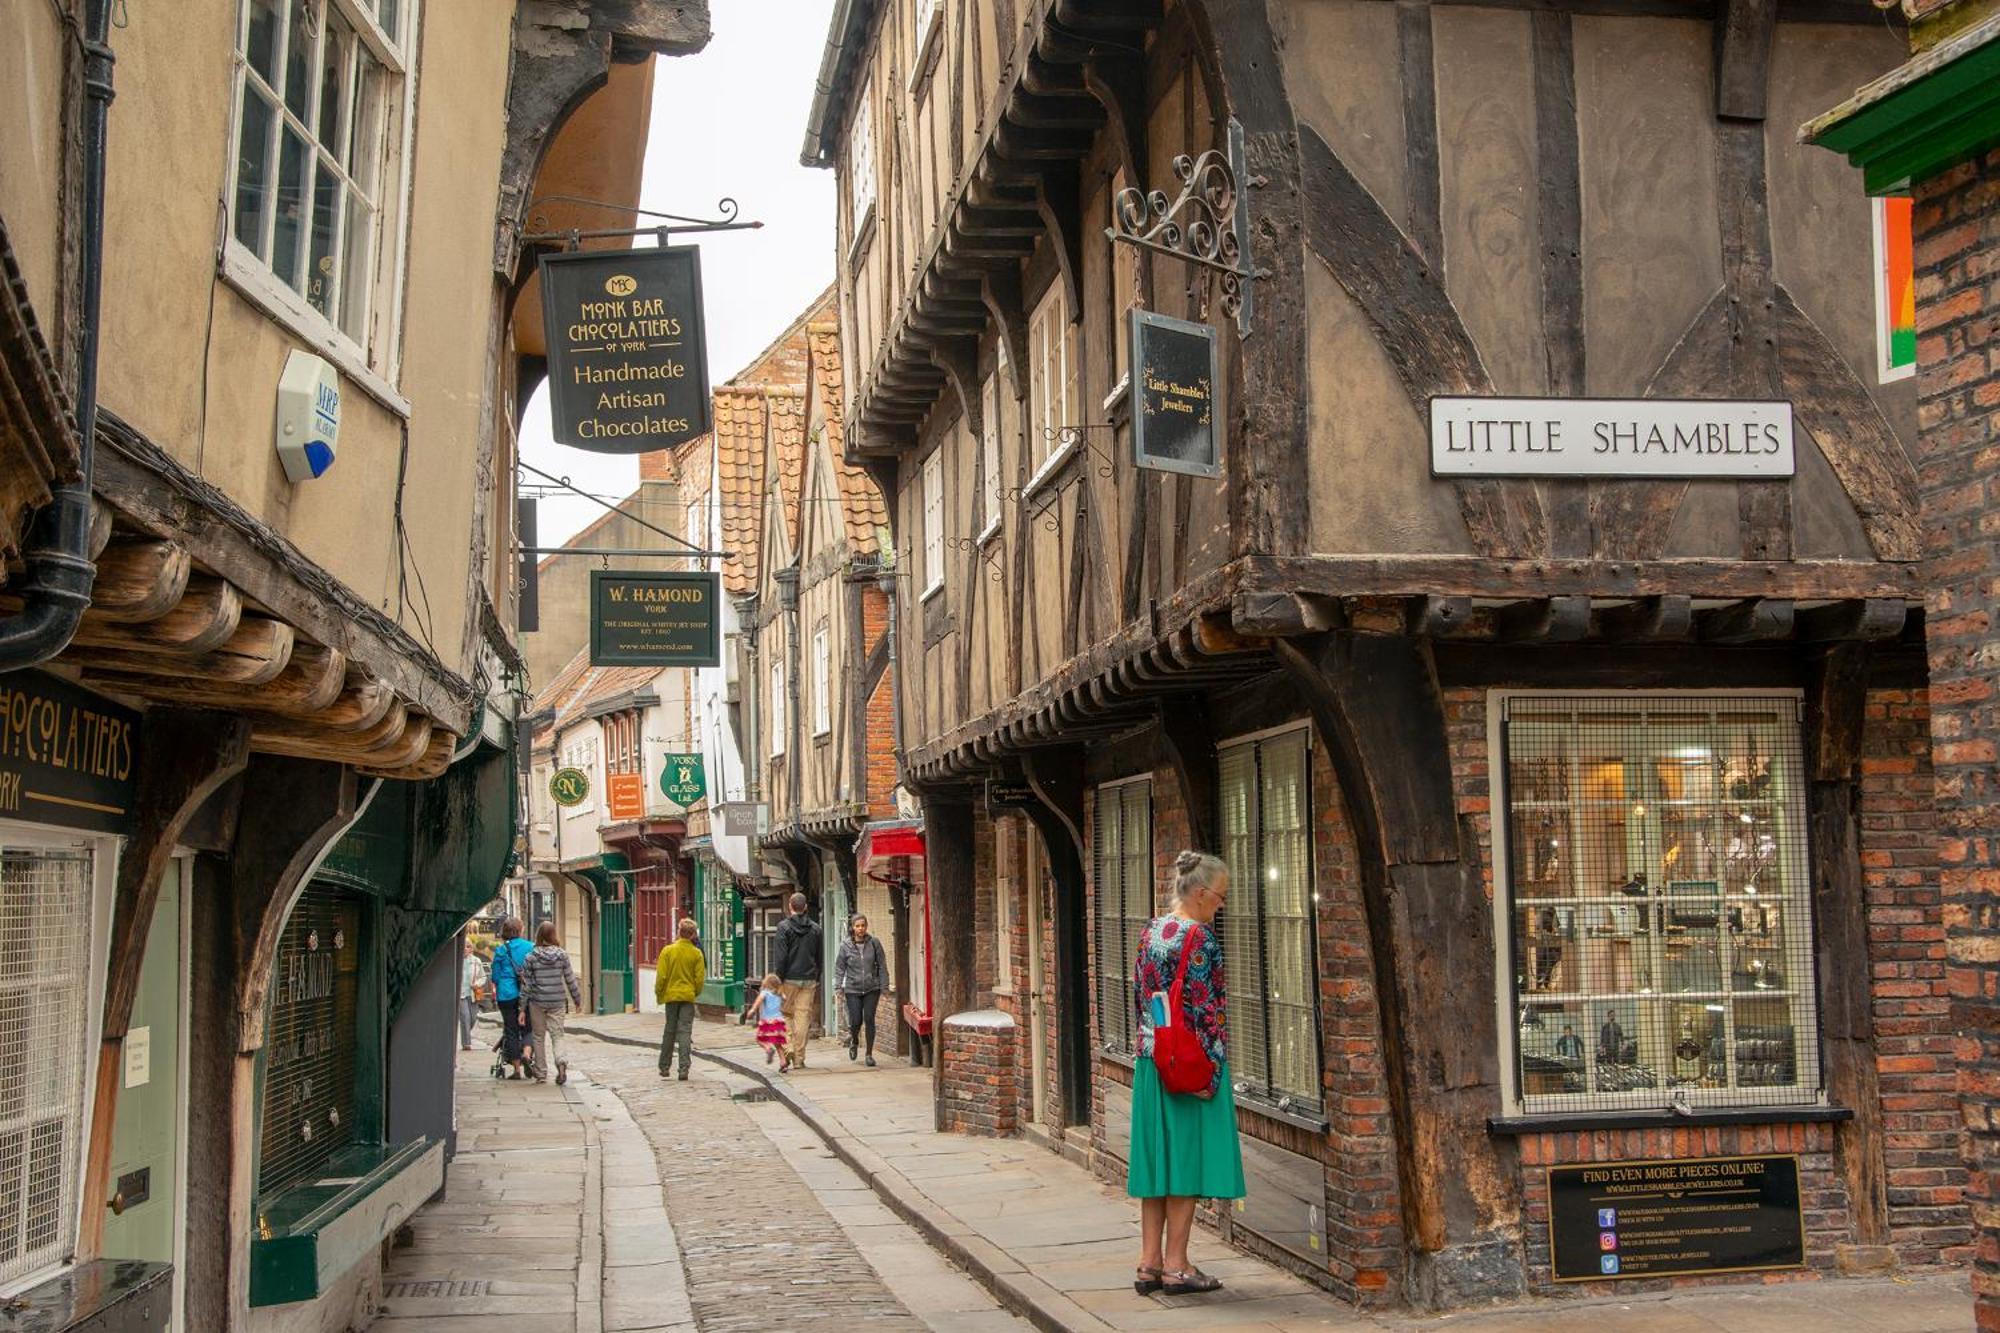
(795,958)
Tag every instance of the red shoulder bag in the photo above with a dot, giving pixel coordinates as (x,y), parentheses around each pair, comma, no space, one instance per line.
(1177,1054)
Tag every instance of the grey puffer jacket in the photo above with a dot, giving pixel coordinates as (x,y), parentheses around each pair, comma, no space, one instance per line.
(860,967)
(545,975)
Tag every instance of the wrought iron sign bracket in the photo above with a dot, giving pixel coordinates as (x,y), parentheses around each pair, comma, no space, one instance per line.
(675,224)
(1208,225)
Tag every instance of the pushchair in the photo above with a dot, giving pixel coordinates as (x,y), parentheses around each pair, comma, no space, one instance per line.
(500,1057)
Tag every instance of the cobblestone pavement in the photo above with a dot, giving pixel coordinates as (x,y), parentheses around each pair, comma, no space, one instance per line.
(773,1231)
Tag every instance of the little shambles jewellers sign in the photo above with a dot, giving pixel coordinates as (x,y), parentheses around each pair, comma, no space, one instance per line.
(1687,1215)
(1173,395)
(1610,438)
(628,358)
(67,757)
(655,619)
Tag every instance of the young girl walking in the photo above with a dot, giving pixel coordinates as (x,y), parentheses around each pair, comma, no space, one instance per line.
(769,1005)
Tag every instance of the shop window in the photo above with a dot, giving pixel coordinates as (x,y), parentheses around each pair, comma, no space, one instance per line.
(1121,847)
(45,993)
(1658,918)
(718,923)
(1052,364)
(321,101)
(1267,928)
(822,682)
(933,482)
(310,1104)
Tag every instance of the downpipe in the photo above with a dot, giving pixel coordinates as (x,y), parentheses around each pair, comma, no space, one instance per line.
(55,587)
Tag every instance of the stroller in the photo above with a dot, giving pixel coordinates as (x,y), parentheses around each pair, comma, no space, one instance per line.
(500,1060)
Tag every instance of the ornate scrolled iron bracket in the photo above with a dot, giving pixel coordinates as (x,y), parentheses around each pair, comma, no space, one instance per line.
(541,230)
(1208,225)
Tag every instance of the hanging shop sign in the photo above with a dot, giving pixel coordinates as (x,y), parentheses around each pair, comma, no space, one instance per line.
(625,795)
(569,787)
(67,757)
(1173,395)
(1611,438)
(1688,1215)
(682,779)
(647,618)
(628,354)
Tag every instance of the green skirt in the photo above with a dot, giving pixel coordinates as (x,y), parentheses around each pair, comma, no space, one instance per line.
(1182,1145)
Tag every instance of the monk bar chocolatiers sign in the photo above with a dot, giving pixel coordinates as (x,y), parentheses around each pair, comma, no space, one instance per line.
(1611,438)
(628,358)
(654,619)
(67,756)
(1173,395)
(1689,1215)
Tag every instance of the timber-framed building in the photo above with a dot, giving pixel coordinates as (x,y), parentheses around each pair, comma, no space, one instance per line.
(1573,820)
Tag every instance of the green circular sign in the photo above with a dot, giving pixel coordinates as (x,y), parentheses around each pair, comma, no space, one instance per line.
(569,786)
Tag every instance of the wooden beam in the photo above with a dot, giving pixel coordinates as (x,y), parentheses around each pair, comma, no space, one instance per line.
(1544,620)
(254,655)
(1752,620)
(200,622)
(434,760)
(1188,739)
(310,681)
(1284,613)
(1865,619)
(1646,620)
(1474,576)
(1744,31)
(139,579)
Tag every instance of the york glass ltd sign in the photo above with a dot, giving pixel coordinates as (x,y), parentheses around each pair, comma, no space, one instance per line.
(644,618)
(628,358)
(1610,438)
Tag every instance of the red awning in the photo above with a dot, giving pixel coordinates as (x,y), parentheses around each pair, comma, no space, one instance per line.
(896,842)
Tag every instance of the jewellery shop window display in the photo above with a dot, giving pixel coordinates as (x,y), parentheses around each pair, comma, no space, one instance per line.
(1657,901)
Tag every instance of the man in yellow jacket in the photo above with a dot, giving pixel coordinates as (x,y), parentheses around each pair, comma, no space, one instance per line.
(677,980)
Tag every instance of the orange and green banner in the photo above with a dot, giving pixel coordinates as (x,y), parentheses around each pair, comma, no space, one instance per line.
(1895,291)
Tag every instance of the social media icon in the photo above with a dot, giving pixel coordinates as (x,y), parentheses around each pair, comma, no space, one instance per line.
(1607,1263)
(1607,1217)
(1607,1240)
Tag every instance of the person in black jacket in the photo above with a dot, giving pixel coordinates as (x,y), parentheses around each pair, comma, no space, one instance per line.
(860,975)
(795,958)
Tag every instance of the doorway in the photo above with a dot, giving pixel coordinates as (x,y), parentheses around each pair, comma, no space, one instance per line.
(1035,924)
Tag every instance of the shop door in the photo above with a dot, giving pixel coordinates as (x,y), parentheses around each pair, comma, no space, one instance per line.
(146,1138)
(614,957)
(1038,1023)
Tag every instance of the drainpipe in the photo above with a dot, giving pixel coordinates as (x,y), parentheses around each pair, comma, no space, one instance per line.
(55,588)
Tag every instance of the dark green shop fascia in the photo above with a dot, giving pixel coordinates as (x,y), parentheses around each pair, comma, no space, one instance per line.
(1936,110)
(422,858)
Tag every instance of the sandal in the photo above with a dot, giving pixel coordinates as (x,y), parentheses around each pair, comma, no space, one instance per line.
(1188,1282)
(1146,1280)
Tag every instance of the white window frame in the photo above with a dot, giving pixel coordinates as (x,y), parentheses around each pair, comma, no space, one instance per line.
(777,709)
(374,363)
(934,522)
(989,458)
(925,27)
(1808,1051)
(822,654)
(104,860)
(1006,883)
(862,166)
(1052,370)
(1118,1033)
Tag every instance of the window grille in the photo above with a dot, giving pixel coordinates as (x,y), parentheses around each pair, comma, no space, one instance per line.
(1269,955)
(822,681)
(309,1098)
(1052,371)
(1659,932)
(990,485)
(44,996)
(934,535)
(718,923)
(1122,877)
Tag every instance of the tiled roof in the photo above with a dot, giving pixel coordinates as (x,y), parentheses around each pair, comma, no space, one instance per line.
(861,505)
(567,681)
(739,442)
(605,683)
(788,448)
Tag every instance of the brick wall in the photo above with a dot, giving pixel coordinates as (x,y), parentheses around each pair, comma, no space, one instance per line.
(1956,220)
(976,1086)
(879,772)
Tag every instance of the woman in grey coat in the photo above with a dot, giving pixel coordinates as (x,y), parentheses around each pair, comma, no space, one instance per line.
(860,974)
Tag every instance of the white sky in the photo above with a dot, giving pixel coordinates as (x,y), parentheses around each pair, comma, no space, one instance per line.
(728,121)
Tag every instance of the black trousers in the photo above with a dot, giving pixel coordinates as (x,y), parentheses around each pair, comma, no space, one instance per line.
(512,1035)
(861,1016)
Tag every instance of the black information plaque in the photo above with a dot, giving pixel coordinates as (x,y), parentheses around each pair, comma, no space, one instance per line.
(1612,1220)
(1173,395)
(642,618)
(67,756)
(628,358)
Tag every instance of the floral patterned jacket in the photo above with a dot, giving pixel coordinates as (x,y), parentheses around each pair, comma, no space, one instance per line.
(1203,996)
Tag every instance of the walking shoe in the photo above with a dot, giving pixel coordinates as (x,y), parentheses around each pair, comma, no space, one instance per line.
(562,1071)
(870,1062)
(684,1076)
(853,1053)
(770,1054)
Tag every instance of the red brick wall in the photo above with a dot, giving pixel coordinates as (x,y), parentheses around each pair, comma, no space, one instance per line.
(1956,220)
(879,772)
(977,1084)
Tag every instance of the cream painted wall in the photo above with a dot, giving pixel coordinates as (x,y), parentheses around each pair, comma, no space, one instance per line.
(205,393)
(31,73)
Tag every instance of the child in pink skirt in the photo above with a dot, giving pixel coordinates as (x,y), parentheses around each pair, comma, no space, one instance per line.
(770,1007)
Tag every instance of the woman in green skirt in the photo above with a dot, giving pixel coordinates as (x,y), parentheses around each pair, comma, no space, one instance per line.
(1183,1144)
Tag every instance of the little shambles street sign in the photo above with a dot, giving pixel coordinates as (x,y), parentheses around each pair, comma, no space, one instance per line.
(1173,395)
(628,356)
(642,618)
(1610,438)
(1687,1215)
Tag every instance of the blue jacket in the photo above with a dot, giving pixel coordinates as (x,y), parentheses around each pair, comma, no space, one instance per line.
(507,959)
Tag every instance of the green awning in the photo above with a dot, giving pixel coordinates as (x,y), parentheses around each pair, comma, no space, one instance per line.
(1938,109)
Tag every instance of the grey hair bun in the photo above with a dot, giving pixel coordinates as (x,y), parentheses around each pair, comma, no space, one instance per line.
(1186,862)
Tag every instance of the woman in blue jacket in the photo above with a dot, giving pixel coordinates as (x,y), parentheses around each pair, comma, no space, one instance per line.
(513,950)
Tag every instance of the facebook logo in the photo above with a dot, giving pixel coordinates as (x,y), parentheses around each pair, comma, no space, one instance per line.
(1607,1217)
(1607,1263)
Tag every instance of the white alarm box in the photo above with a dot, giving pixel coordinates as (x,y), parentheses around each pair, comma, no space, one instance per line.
(308,426)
